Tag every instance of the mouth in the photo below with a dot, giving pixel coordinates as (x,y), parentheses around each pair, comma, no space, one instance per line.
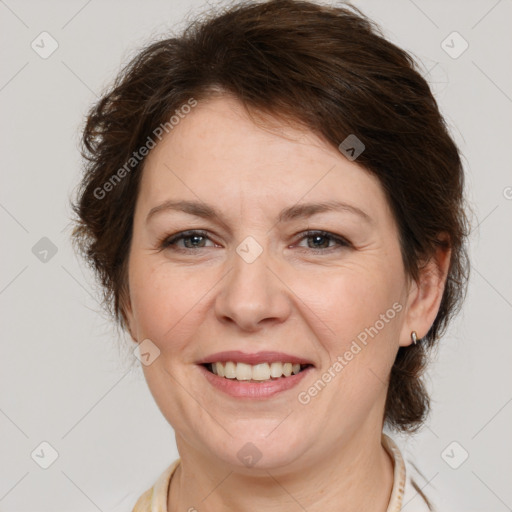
(254,376)
(255,373)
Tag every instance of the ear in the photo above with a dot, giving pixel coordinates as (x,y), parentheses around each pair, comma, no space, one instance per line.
(425,295)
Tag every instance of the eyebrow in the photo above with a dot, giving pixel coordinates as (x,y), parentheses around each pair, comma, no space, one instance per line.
(297,211)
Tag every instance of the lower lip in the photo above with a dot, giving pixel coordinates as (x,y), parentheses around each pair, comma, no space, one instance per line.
(255,390)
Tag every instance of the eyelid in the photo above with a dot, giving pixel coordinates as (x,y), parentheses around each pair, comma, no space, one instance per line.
(340,240)
(171,240)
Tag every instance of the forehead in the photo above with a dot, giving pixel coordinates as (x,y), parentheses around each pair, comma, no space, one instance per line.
(216,153)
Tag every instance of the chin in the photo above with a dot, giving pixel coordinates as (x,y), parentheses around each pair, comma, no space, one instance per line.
(261,448)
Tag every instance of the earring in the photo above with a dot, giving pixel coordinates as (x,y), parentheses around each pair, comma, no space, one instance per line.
(414,337)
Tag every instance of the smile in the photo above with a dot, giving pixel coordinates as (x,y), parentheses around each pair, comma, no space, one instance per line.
(256,376)
(261,372)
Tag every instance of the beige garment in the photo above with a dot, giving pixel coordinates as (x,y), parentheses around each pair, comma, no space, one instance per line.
(403,492)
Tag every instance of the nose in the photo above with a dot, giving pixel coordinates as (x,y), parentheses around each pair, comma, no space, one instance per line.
(252,295)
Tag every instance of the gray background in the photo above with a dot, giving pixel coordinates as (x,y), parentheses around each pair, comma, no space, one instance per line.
(66,378)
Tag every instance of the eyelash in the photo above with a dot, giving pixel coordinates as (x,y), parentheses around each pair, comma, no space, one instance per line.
(170,241)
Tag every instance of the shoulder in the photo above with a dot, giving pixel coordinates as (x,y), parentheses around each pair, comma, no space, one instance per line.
(414,495)
(409,482)
(155,498)
(144,502)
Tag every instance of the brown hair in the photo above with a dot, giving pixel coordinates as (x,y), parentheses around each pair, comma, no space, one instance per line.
(327,69)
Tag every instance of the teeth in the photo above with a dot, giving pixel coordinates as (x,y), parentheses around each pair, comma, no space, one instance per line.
(229,370)
(259,372)
(276,369)
(243,371)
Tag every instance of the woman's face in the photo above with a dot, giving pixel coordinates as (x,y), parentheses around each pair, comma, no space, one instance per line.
(254,287)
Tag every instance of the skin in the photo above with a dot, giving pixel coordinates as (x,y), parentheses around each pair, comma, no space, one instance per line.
(326,455)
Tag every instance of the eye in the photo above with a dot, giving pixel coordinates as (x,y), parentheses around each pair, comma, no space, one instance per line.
(192,239)
(322,239)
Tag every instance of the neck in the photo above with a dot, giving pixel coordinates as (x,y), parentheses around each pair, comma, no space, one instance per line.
(359,476)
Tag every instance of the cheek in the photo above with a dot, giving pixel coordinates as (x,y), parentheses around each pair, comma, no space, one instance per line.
(160,298)
(349,299)
(357,316)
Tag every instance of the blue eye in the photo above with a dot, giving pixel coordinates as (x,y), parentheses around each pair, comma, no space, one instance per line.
(321,237)
(196,239)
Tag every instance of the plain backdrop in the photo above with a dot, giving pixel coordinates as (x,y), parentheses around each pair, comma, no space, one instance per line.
(66,379)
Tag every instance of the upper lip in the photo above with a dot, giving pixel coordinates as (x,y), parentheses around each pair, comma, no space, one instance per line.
(255,358)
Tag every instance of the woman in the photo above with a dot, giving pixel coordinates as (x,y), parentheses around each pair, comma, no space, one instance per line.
(274,207)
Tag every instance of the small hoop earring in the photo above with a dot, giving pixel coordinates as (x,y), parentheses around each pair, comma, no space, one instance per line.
(414,337)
